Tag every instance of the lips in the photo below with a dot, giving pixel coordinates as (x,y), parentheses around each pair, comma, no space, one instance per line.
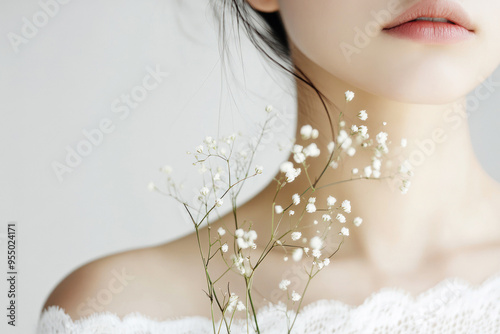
(448,10)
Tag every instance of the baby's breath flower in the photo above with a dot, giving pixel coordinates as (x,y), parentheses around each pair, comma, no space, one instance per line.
(351,151)
(340,217)
(306,131)
(286,166)
(342,136)
(381,137)
(297,254)
(296,199)
(292,174)
(224,248)
(377,164)
(384,123)
(368,171)
(167,169)
(320,265)
(357,221)
(297,148)
(403,168)
(311,150)
(349,96)
(362,115)
(202,169)
(310,208)
(314,134)
(330,201)
(219,202)
(269,108)
(233,299)
(404,142)
(311,200)
(259,169)
(376,174)
(284,284)
(306,250)
(406,185)
(363,131)
(151,186)
(221,231)
(354,128)
(229,139)
(316,253)
(295,296)
(291,213)
(334,164)
(326,262)
(278,209)
(346,206)
(296,236)
(355,171)
(344,231)
(204,191)
(316,242)
(299,157)
(217,177)
(239,233)
(285,258)
(327,217)
(331,147)
(247,239)
(240,306)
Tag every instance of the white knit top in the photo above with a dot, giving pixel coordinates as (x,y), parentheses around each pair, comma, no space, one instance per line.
(452,306)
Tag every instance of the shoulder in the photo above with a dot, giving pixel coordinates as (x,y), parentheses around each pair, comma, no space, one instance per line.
(148,280)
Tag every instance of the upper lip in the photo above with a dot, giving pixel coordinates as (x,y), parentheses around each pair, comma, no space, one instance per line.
(449,10)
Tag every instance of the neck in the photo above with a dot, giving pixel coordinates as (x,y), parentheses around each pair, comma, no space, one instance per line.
(449,204)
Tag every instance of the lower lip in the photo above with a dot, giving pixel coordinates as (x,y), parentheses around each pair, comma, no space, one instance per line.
(431,32)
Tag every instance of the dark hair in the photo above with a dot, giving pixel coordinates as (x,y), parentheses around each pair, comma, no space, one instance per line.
(277,30)
(268,35)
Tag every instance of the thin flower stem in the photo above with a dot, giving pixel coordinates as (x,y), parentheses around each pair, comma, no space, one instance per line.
(253,153)
(301,299)
(222,275)
(349,180)
(308,178)
(251,304)
(222,196)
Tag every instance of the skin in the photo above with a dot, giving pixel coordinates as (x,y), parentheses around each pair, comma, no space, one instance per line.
(447,225)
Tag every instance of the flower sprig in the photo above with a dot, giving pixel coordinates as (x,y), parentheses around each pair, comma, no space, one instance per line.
(224,172)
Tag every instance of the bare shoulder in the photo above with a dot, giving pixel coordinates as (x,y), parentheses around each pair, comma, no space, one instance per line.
(157,281)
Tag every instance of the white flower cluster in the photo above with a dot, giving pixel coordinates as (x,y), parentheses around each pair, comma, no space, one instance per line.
(311,207)
(407,173)
(291,173)
(307,132)
(245,239)
(349,96)
(242,264)
(234,302)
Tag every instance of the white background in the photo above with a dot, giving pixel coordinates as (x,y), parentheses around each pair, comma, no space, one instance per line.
(65,79)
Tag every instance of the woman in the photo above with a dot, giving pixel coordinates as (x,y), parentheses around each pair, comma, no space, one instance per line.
(412,78)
